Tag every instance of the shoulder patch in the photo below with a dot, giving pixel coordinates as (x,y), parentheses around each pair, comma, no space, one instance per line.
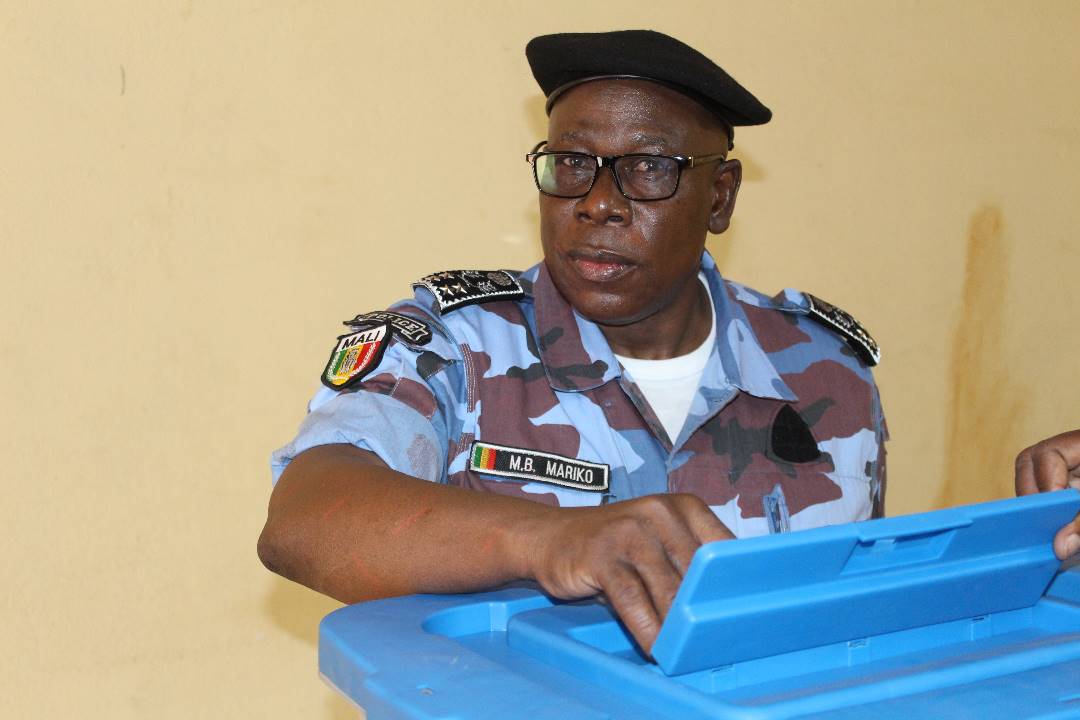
(457,288)
(409,329)
(355,355)
(848,327)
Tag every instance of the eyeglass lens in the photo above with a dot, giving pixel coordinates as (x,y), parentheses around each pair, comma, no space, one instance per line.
(641,177)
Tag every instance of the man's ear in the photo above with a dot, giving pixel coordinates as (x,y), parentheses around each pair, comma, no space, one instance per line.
(726,184)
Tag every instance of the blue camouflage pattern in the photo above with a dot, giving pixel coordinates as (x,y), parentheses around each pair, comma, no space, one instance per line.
(531,373)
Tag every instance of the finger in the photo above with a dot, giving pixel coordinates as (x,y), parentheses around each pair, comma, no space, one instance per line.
(1068,446)
(702,522)
(1051,471)
(1025,474)
(677,540)
(661,578)
(1067,540)
(626,593)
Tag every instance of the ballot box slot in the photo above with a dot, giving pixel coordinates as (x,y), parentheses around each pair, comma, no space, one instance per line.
(877,555)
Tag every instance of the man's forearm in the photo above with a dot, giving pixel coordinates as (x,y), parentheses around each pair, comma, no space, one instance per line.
(343,523)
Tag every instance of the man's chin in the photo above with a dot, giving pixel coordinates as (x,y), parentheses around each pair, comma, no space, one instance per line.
(608,303)
(609,314)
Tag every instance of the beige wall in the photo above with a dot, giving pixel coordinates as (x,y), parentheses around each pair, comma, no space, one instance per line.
(193,195)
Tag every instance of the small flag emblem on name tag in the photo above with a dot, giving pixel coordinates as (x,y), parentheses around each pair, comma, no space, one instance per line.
(484,457)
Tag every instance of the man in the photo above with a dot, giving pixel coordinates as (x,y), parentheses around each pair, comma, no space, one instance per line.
(590,422)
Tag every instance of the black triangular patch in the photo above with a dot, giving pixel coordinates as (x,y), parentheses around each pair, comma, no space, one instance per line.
(791,438)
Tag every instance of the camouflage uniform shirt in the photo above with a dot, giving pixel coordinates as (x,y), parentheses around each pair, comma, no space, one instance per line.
(524,397)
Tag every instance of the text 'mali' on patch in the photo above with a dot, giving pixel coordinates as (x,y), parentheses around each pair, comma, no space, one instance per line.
(355,355)
(542,467)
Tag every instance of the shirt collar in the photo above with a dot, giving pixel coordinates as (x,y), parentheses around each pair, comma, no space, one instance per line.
(744,364)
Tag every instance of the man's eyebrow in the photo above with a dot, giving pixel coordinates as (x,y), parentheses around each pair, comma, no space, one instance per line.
(646,139)
(639,137)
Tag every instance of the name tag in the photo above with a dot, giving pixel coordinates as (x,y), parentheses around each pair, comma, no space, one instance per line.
(539,467)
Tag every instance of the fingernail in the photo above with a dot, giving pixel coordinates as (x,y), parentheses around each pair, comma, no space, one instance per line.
(1072,545)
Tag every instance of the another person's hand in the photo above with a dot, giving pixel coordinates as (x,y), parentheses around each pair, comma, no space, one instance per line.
(1053,464)
(634,552)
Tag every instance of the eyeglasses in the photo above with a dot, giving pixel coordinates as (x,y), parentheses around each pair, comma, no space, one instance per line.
(638,177)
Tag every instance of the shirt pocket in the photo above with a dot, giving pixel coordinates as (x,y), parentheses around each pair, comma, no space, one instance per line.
(735,485)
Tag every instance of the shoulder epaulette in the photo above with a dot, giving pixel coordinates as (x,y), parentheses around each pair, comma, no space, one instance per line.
(846,326)
(454,289)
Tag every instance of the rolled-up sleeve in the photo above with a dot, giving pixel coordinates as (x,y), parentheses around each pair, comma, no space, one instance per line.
(403,412)
(402,437)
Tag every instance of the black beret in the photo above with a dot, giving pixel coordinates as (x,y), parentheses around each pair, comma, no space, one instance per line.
(561,61)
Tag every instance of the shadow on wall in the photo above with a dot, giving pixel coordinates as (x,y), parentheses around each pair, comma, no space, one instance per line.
(337,708)
(536,118)
(987,403)
(297,610)
(722,246)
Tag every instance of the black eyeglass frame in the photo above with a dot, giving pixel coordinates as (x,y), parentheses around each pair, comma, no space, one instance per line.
(602,161)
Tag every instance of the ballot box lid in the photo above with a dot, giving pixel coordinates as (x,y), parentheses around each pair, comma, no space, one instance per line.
(770,595)
(885,619)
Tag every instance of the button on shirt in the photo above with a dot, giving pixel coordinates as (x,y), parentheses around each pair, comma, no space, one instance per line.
(785,430)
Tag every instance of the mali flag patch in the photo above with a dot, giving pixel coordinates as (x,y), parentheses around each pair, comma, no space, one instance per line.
(355,355)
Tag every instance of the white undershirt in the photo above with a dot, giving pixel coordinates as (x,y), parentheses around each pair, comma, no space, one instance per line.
(669,385)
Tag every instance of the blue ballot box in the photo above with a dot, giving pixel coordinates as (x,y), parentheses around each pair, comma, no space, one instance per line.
(961,613)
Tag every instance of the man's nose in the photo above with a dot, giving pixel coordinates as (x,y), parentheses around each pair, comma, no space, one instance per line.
(604,203)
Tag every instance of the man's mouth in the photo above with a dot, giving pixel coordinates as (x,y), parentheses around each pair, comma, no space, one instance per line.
(600,266)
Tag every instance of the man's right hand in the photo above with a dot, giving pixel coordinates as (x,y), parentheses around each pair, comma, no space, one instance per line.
(343,523)
(635,553)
